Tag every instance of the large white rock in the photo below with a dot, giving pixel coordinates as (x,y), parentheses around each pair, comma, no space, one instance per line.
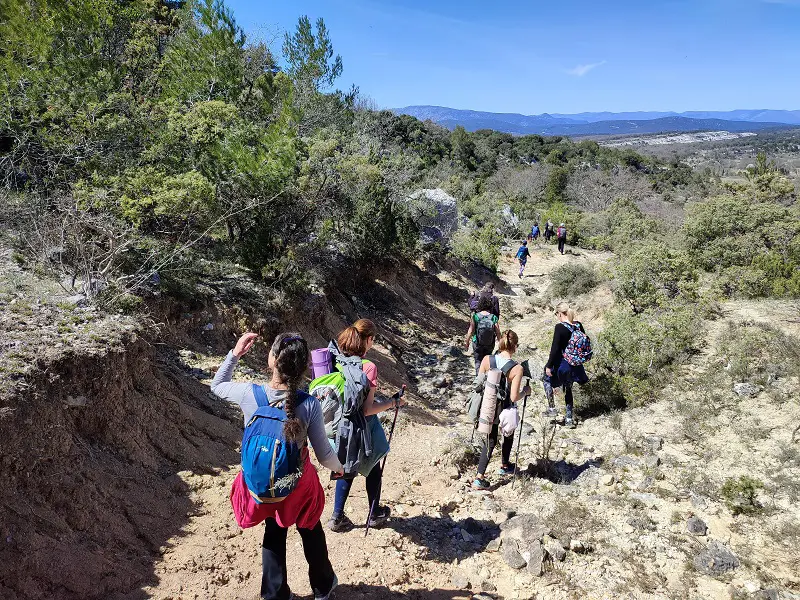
(435,212)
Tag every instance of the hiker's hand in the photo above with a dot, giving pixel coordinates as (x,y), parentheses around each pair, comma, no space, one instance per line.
(526,391)
(244,344)
(549,372)
(399,402)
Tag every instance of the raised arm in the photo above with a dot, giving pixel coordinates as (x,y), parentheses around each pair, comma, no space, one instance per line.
(222,385)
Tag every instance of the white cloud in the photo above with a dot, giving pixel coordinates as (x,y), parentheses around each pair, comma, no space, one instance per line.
(582,70)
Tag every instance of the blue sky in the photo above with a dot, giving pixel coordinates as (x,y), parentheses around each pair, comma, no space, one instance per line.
(556,56)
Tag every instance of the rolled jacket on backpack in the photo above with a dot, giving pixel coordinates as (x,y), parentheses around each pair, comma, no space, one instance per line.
(567,373)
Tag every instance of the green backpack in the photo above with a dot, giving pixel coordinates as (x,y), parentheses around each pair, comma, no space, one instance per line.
(329,390)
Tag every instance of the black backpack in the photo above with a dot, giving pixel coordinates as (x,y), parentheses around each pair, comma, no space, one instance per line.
(503,388)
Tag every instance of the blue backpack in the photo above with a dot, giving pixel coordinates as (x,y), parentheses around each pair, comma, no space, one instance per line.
(271,465)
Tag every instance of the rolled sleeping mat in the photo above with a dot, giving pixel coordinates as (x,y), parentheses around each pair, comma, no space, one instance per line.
(320,362)
(489,402)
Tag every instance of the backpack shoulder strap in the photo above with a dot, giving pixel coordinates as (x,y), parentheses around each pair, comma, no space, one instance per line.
(261,395)
(507,367)
(492,361)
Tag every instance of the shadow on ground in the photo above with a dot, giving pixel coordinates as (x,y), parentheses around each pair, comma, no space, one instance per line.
(559,471)
(444,537)
(375,592)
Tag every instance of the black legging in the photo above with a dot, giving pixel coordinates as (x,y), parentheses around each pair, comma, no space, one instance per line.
(343,487)
(273,561)
(486,452)
(561,242)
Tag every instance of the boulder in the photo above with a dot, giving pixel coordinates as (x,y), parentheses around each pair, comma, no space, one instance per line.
(512,556)
(608,479)
(435,213)
(555,550)
(746,389)
(696,526)
(526,528)
(653,442)
(715,560)
(535,557)
(460,581)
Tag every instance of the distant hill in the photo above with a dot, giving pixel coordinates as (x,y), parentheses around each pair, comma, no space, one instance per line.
(605,123)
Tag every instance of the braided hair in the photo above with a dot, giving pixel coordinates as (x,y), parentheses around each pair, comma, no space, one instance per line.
(291,363)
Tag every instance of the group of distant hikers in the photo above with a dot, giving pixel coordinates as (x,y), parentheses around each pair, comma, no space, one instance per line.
(550,231)
(278,484)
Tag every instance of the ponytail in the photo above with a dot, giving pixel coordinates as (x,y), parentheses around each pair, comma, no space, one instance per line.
(353,340)
(291,362)
(509,341)
(564,308)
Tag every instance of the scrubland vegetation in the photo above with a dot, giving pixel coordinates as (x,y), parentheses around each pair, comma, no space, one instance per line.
(152,143)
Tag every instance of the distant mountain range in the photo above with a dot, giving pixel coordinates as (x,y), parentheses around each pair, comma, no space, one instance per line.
(606,123)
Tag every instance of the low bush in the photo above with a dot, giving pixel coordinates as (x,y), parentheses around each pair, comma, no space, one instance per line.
(637,350)
(740,494)
(479,246)
(574,279)
(759,352)
(653,275)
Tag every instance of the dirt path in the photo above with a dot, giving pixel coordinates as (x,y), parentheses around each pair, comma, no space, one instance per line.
(628,484)
(416,553)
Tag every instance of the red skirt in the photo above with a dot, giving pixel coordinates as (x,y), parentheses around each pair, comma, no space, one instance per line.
(303,507)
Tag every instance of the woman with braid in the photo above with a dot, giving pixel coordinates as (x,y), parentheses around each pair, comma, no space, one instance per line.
(288,361)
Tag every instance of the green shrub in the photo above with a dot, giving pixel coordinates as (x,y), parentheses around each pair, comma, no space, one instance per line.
(653,275)
(740,494)
(638,350)
(756,352)
(616,227)
(755,244)
(574,279)
(479,246)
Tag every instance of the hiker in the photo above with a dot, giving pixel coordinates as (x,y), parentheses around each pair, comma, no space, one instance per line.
(487,291)
(535,232)
(522,256)
(483,331)
(561,235)
(570,349)
(288,362)
(508,393)
(548,231)
(356,341)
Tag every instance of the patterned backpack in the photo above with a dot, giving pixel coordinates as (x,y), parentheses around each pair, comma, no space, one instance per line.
(579,347)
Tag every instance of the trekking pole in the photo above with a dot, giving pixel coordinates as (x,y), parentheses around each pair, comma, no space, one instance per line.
(391,433)
(519,441)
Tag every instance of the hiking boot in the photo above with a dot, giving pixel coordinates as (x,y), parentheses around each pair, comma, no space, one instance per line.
(380,516)
(340,523)
(333,587)
(569,423)
(510,469)
(550,412)
(480,484)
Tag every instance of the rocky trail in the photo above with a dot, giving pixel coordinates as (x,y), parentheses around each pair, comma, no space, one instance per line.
(628,505)
(626,509)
